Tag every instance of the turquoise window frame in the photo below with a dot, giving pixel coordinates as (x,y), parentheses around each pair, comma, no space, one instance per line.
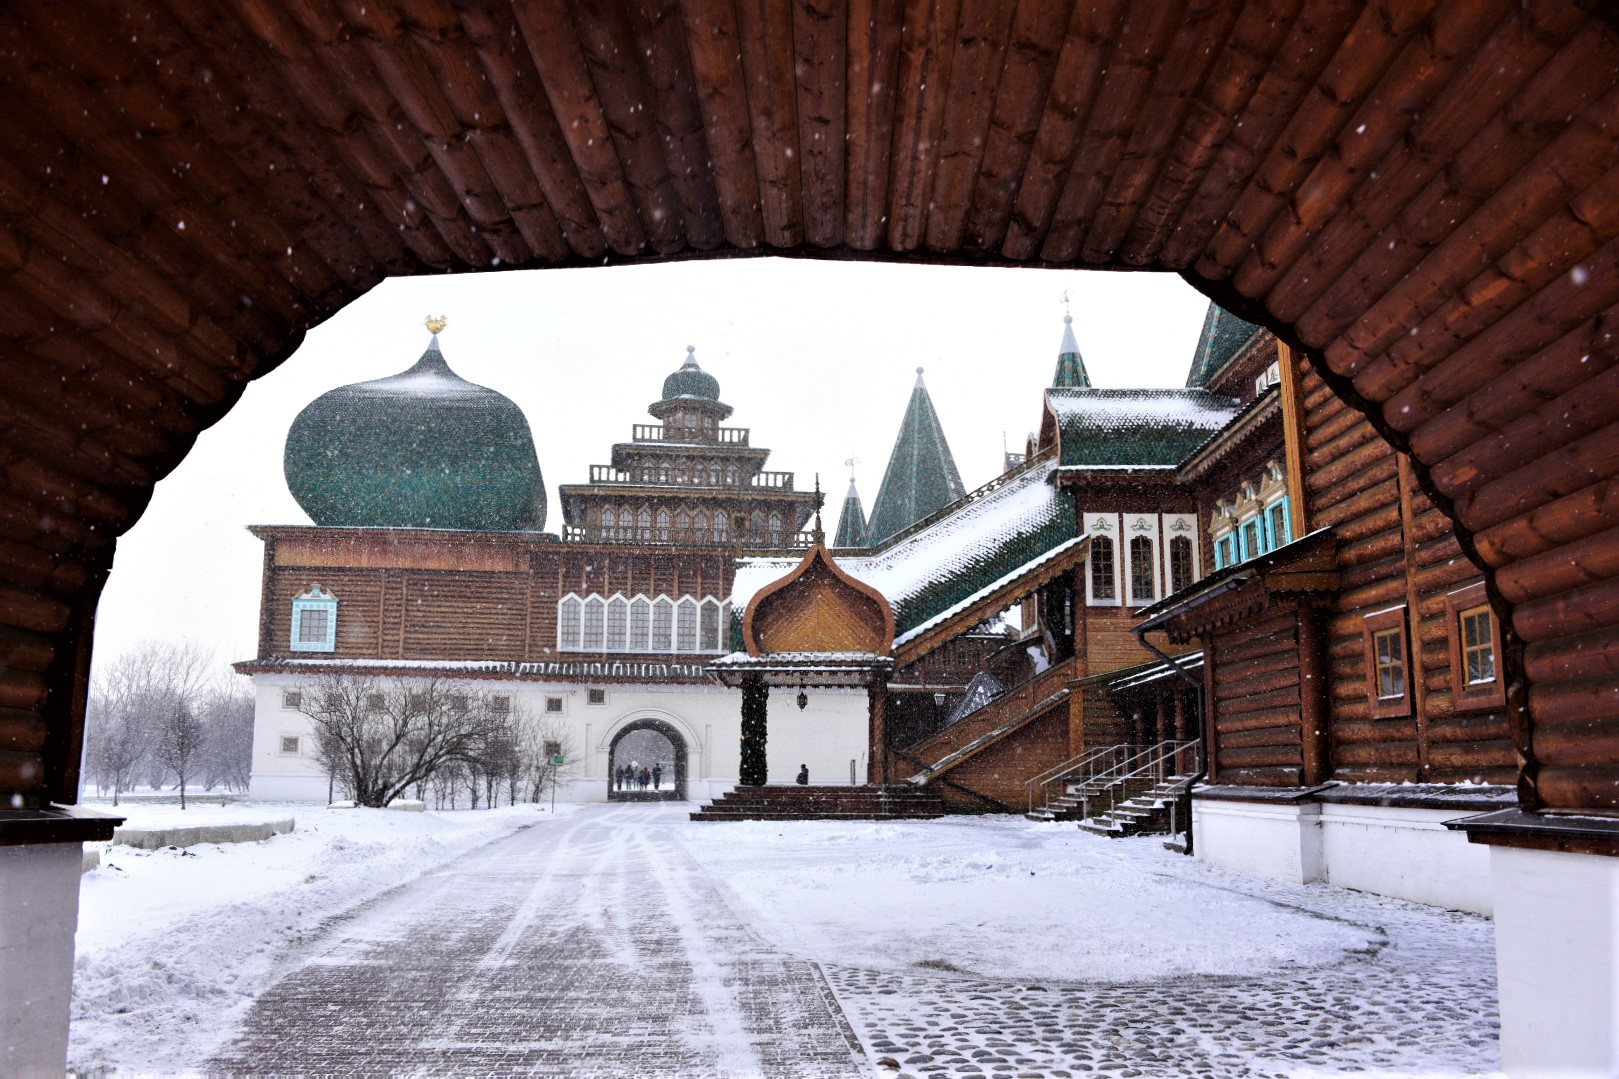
(302,606)
(1287,522)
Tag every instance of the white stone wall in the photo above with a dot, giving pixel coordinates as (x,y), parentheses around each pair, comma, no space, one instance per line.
(39,914)
(827,735)
(1557,963)
(1401,852)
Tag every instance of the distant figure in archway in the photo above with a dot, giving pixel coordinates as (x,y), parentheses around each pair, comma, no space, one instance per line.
(663,749)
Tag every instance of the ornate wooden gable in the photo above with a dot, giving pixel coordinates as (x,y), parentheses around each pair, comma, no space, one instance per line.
(818,608)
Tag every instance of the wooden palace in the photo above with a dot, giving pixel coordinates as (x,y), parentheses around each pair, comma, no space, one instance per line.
(1417,199)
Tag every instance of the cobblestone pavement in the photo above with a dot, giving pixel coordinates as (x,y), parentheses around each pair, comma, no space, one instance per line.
(1422,1002)
(591,947)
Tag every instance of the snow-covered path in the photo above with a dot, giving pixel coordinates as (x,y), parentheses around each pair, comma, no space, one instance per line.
(596,946)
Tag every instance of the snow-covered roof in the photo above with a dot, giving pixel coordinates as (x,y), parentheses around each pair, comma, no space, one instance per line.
(944,566)
(1135,428)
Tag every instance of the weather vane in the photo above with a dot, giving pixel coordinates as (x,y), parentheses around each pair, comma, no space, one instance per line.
(1065,309)
(435,324)
(851,462)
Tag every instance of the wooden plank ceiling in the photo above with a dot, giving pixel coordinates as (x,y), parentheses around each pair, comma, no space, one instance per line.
(1421,193)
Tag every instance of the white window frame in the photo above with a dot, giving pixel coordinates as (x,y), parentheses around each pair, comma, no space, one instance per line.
(616,625)
(1108,525)
(1182,524)
(640,638)
(314,601)
(569,635)
(666,607)
(1141,526)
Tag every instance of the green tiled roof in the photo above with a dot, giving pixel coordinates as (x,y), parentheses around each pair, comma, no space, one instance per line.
(921,478)
(1135,428)
(852,521)
(946,564)
(1223,336)
(1070,364)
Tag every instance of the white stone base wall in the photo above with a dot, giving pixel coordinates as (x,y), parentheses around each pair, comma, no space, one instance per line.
(1406,853)
(1557,963)
(39,914)
(1269,839)
(829,733)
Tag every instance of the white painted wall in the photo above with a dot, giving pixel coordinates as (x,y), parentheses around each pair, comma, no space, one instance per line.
(39,914)
(1268,839)
(1405,853)
(1557,962)
(829,733)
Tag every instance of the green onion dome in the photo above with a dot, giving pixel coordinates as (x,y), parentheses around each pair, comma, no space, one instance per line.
(691,381)
(421,449)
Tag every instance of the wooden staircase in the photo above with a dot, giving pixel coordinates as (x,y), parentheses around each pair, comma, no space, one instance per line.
(999,720)
(793,802)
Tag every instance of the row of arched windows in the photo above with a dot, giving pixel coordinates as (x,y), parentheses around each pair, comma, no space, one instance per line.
(697,474)
(621,624)
(1143,568)
(645,525)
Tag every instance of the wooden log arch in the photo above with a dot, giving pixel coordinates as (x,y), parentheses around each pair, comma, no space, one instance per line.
(1422,196)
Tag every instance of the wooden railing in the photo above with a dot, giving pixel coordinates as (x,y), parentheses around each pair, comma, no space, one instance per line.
(657,432)
(774,480)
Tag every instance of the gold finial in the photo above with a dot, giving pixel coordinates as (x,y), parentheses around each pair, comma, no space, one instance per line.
(435,324)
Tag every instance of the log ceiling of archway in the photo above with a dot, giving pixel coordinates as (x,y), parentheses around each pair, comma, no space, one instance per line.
(1422,193)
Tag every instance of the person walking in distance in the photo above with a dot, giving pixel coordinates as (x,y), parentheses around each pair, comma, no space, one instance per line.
(657,776)
(803,775)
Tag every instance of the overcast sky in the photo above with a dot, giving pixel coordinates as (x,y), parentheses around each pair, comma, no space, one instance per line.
(818,358)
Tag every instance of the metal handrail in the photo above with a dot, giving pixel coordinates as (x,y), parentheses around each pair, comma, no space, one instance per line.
(1155,758)
(1068,770)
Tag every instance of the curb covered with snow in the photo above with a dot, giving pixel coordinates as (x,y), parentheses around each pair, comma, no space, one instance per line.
(158,838)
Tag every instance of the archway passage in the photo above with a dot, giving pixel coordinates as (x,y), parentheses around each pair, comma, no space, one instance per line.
(1421,195)
(651,746)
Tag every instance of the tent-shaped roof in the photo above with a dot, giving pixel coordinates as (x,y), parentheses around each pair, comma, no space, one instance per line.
(921,478)
(851,521)
(1223,336)
(1134,428)
(1070,364)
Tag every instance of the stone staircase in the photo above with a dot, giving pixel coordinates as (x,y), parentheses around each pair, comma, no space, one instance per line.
(1146,813)
(793,802)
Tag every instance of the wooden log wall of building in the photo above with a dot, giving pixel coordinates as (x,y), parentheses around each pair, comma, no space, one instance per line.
(1423,194)
(1255,703)
(411,607)
(1395,550)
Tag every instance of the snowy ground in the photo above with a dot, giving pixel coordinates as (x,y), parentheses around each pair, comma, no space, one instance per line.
(995,946)
(174,945)
(959,947)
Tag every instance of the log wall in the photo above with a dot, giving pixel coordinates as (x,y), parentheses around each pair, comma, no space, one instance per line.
(1252,679)
(418,606)
(1395,548)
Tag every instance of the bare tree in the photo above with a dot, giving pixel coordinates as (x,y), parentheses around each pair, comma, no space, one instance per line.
(179,741)
(381,738)
(227,755)
(132,700)
(541,742)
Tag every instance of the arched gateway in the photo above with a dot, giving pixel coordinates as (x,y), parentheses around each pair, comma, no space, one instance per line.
(647,743)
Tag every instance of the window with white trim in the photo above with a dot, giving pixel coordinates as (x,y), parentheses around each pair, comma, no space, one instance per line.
(314,621)
(569,612)
(595,619)
(640,624)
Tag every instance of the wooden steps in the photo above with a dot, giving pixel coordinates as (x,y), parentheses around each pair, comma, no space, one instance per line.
(793,802)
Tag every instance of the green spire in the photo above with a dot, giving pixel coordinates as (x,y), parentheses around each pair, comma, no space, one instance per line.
(1224,335)
(921,477)
(852,521)
(1070,364)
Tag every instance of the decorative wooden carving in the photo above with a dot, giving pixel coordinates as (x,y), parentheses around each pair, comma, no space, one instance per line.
(818,608)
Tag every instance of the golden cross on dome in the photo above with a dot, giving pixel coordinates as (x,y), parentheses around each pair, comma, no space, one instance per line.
(435,324)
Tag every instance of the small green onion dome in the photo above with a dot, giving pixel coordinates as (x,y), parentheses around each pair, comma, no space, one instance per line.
(691,380)
(421,449)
